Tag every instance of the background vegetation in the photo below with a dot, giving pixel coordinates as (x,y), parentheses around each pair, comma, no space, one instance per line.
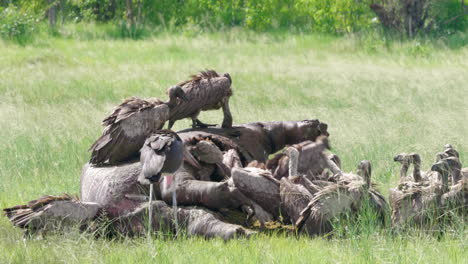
(378,102)
(139,18)
(381,91)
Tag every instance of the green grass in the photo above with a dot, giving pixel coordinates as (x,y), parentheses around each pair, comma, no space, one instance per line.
(401,97)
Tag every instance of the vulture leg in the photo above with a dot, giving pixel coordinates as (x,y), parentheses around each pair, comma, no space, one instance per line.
(196,123)
(227,121)
(171,124)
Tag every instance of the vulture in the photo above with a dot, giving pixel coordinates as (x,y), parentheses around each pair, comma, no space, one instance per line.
(415,199)
(346,195)
(405,160)
(418,176)
(213,153)
(311,159)
(127,128)
(52,213)
(296,191)
(456,196)
(206,90)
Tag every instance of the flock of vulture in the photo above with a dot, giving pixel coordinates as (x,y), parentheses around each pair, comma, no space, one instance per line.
(221,182)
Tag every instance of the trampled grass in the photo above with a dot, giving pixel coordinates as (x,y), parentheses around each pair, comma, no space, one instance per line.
(55,92)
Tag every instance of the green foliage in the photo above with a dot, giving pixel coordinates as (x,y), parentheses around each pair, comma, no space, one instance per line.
(17,25)
(448,16)
(193,16)
(336,16)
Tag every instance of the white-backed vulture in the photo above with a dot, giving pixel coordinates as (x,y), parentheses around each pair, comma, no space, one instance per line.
(415,202)
(127,128)
(312,160)
(456,196)
(52,213)
(344,196)
(206,90)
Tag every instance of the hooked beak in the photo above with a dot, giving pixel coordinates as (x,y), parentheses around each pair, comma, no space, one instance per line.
(188,157)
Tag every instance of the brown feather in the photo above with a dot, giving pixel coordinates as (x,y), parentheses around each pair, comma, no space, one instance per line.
(127,128)
(206,90)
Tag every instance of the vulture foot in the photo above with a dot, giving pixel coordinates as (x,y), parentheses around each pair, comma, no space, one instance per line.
(199,124)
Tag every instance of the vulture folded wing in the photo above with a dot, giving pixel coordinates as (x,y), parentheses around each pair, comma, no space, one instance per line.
(328,203)
(379,204)
(126,130)
(52,213)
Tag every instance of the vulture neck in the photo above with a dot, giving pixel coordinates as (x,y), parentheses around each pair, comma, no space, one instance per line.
(417,172)
(293,161)
(365,173)
(403,171)
(445,187)
(456,173)
(367,177)
(172,101)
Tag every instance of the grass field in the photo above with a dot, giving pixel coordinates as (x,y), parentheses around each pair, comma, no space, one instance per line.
(405,97)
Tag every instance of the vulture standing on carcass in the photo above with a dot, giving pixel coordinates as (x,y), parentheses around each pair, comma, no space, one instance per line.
(130,124)
(346,195)
(206,91)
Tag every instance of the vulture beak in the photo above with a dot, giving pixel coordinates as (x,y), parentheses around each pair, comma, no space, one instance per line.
(181,94)
(188,157)
(183,97)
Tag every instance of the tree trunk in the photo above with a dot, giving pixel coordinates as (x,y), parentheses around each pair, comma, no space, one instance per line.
(52,13)
(130,14)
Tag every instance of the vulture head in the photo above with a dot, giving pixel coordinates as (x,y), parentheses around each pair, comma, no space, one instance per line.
(176,92)
(404,158)
(228,76)
(365,171)
(311,129)
(448,165)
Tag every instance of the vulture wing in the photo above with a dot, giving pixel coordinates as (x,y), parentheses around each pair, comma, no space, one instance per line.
(328,203)
(52,213)
(378,203)
(127,128)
